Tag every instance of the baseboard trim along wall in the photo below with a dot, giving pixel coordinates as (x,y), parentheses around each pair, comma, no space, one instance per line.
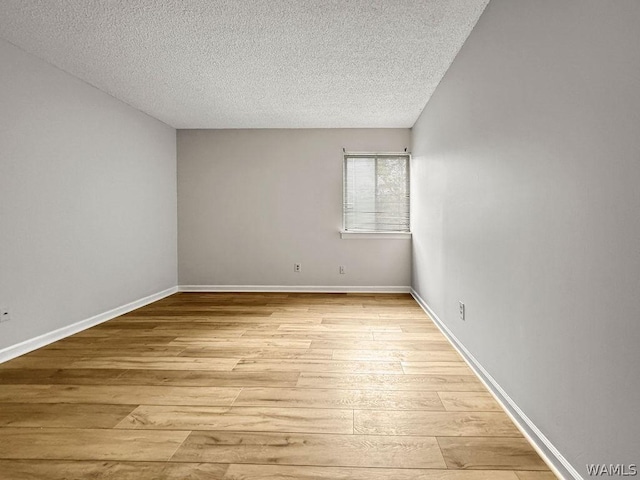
(27,346)
(549,453)
(293,288)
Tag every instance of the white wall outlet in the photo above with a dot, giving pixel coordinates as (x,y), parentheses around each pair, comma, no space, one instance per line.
(343,269)
(462,311)
(297,267)
(4,314)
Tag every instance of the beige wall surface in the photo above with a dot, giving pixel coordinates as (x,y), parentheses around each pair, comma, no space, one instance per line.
(87,200)
(251,203)
(526,201)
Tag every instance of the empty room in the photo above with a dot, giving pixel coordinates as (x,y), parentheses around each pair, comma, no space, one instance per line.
(319,239)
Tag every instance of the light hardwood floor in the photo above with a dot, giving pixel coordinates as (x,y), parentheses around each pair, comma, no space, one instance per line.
(257,386)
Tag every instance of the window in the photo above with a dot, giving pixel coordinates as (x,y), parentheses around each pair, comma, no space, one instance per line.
(376,193)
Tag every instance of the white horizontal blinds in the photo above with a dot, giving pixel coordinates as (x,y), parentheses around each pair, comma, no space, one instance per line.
(376,193)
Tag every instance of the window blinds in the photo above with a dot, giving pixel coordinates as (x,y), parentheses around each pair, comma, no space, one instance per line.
(376,193)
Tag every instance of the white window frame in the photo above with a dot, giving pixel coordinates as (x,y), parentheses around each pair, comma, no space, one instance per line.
(346,234)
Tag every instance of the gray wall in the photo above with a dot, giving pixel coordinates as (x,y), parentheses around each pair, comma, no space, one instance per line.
(526,206)
(252,203)
(87,199)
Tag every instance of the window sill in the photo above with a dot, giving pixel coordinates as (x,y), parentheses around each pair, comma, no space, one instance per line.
(375,235)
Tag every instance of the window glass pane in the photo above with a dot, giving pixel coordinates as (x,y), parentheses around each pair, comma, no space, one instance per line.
(376,193)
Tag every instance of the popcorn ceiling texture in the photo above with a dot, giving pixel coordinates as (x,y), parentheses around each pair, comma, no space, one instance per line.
(252,63)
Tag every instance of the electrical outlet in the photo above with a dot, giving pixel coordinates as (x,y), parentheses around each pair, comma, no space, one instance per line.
(343,269)
(4,314)
(297,267)
(462,311)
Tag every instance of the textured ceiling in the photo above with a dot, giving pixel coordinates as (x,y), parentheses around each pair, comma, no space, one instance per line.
(252,63)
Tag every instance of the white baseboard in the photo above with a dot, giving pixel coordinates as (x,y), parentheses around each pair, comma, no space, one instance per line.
(549,453)
(293,288)
(27,346)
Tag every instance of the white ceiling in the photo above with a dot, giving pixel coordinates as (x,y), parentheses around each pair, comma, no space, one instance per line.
(252,63)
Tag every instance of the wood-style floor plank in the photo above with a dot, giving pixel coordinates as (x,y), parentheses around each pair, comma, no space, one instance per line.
(26,362)
(432,383)
(436,368)
(156,363)
(203,378)
(242,342)
(490,453)
(64,376)
(340,336)
(108,470)
(125,363)
(252,419)
(285,365)
(176,331)
(469,402)
(119,341)
(437,424)
(535,476)
(257,353)
(345,328)
(373,320)
(306,449)
(78,350)
(283,472)
(416,345)
(336,398)
(238,320)
(255,386)
(397,355)
(420,327)
(89,444)
(62,415)
(118,394)
(404,337)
